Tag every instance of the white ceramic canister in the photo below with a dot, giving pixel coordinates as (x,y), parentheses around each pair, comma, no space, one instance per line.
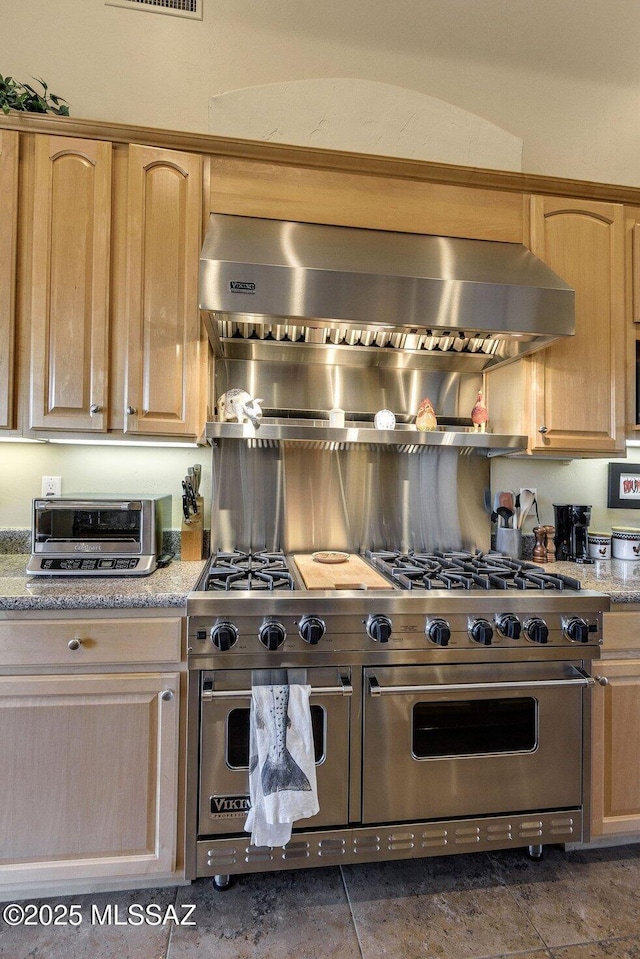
(599,544)
(625,542)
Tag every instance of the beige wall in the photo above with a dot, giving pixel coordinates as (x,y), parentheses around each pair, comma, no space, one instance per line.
(563,77)
(132,470)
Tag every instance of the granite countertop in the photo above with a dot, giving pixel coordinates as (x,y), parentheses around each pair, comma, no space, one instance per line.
(618,578)
(167,587)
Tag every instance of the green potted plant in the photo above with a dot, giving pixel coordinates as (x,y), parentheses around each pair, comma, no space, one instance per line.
(21,96)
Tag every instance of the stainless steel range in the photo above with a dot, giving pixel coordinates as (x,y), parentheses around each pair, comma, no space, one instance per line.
(450,698)
(450,708)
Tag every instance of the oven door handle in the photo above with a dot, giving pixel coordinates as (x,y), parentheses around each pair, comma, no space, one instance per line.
(344,689)
(375,689)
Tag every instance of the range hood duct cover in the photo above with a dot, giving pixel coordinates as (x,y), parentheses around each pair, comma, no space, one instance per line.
(457,293)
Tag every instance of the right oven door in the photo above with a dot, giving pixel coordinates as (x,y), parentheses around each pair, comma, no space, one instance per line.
(470,740)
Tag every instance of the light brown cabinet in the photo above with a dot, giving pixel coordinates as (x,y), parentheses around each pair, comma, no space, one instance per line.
(570,398)
(90,757)
(89,776)
(69,284)
(615,807)
(163,386)
(108,243)
(8,256)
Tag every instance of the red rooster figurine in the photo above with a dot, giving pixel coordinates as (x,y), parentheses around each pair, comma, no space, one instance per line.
(479,416)
(426,417)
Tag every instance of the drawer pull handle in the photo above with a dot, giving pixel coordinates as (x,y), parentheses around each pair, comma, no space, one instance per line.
(74,643)
(166,694)
(602,680)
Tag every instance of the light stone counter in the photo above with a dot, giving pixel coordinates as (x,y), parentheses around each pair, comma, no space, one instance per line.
(619,579)
(167,587)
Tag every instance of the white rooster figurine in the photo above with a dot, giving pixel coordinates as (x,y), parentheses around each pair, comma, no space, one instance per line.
(479,416)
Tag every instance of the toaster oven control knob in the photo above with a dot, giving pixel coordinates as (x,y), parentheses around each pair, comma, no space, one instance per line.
(508,625)
(224,635)
(272,634)
(438,631)
(311,629)
(577,629)
(481,632)
(536,630)
(378,627)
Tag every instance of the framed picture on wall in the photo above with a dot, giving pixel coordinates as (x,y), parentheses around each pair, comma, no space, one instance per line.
(624,486)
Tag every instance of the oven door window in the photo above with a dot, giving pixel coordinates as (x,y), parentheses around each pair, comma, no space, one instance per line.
(237,746)
(472,727)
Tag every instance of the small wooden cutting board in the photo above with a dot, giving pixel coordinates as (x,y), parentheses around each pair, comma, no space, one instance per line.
(354,573)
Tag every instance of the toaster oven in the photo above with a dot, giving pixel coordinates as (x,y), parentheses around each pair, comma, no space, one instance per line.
(97,535)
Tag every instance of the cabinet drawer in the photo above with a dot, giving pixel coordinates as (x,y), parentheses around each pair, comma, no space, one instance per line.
(77,642)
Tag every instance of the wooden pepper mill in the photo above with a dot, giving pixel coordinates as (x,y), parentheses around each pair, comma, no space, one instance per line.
(540,549)
(550,543)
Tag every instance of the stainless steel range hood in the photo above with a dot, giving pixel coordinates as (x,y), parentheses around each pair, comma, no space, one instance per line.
(439,302)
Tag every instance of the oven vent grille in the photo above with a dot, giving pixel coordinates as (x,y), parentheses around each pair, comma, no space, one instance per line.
(191,9)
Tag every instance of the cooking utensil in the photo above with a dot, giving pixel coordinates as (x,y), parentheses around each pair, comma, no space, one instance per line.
(197,478)
(186,512)
(506,515)
(527,499)
(191,496)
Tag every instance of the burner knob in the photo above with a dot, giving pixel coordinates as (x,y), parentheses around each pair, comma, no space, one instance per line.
(481,632)
(224,635)
(508,625)
(272,634)
(577,629)
(311,629)
(536,630)
(379,628)
(438,631)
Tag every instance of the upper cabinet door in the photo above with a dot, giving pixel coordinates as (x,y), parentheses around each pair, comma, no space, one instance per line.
(70,283)
(8,247)
(162,390)
(578,389)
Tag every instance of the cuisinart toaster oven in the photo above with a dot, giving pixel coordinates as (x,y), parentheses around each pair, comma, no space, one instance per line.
(95,535)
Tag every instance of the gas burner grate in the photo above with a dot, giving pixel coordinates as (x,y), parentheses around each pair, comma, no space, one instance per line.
(238,570)
(466,570)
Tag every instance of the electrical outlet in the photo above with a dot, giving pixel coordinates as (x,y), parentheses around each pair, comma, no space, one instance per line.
(51,485)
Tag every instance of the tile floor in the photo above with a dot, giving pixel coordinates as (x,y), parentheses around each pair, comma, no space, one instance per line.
(573,905)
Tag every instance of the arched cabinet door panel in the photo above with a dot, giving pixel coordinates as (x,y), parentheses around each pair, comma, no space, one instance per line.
(69,283)
(164,212)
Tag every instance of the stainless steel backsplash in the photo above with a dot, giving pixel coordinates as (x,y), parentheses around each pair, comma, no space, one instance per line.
(367,389)
(300,498)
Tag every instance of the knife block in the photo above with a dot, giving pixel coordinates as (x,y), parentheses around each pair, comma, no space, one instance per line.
(191,535)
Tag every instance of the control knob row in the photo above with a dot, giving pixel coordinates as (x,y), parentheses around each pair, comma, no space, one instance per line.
(271,633)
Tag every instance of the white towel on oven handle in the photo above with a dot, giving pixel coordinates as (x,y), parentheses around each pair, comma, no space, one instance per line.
(282,769)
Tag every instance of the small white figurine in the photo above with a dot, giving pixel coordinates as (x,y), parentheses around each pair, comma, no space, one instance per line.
(237,406)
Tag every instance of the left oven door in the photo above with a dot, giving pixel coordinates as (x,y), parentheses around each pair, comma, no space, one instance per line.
(225,703)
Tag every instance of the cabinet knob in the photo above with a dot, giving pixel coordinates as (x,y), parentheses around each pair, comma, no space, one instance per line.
(131,411)
(166,694)
(602,680)
(543,429)
(94,408)
(74,643)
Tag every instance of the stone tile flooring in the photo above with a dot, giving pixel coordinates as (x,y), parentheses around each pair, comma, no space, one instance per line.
(573,905)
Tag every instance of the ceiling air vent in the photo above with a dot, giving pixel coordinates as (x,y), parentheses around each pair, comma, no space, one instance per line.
(175,8)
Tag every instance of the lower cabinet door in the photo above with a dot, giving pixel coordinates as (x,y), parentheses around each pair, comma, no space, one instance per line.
(89,776)
(615,806)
